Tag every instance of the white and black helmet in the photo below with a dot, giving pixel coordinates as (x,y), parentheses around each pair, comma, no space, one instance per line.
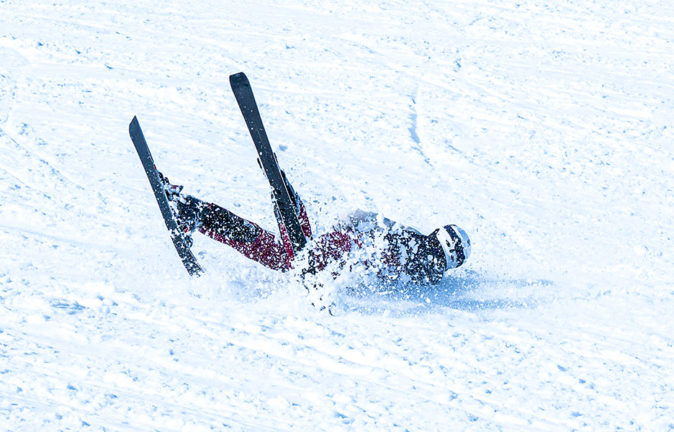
(455,244)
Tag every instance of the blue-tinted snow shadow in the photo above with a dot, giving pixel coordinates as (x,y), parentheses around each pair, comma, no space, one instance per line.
(469,292)
(69,308)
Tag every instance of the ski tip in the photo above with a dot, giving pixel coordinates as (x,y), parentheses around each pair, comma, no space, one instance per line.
(238,79)
(133,124)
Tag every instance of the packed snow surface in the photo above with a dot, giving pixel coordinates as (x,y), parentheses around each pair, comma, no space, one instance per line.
(543,128)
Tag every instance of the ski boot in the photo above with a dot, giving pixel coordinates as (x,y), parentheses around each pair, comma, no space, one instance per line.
(300,210)
(186,209)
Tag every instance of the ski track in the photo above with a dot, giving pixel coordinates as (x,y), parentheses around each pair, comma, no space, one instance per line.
(543,128)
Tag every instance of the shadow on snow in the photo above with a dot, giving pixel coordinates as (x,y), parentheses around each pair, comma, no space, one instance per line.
(469,292)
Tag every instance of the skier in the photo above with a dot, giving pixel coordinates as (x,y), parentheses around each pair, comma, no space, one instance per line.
(395,251)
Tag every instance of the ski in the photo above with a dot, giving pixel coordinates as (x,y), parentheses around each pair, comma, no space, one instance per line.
(179,241)
(286,217)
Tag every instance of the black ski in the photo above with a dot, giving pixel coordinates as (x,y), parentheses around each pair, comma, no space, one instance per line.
(286,217)
(179,241)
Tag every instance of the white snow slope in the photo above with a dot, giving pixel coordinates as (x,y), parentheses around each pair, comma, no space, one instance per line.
(545,129)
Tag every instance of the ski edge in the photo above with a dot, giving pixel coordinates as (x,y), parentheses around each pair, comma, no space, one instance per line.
(267,159)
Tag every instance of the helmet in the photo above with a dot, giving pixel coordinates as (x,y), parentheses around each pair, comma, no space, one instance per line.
(455,244)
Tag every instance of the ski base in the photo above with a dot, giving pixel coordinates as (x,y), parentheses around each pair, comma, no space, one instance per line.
(286,217)
(179,241)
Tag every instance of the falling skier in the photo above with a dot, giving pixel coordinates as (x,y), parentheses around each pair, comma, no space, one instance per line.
(395,252)
(391,251)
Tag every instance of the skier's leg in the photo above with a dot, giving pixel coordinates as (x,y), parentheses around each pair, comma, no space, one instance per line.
(328,248)
(246,237)
(224,226)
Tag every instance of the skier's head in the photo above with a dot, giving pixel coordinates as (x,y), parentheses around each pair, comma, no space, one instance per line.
(455,244)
